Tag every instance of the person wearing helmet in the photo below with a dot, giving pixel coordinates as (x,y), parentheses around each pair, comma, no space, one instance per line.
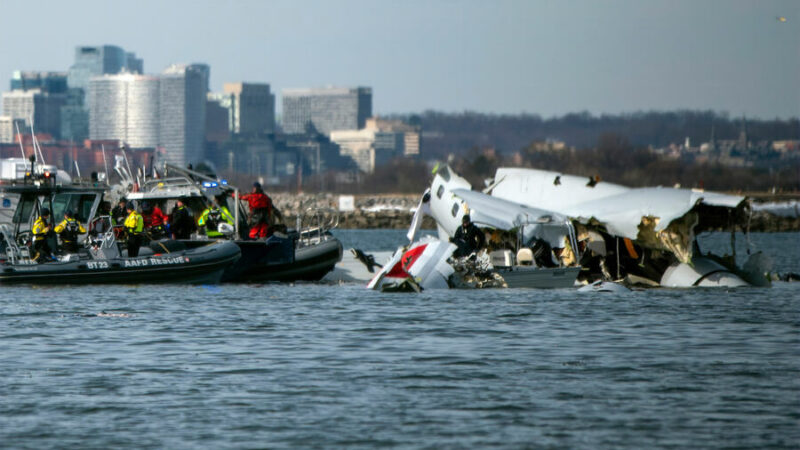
(212,217)
(260,211)
(68,230)
(41,231)
(134,227)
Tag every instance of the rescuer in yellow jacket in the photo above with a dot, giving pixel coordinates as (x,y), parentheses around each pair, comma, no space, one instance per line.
(69,229)
(211,219)
(41,230)
(134,226)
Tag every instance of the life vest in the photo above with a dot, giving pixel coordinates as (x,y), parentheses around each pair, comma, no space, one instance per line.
(134,223)
(69,229)
(40,228)
(212,217)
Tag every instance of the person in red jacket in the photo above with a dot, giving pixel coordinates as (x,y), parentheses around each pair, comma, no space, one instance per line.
(154,220)
(260,208)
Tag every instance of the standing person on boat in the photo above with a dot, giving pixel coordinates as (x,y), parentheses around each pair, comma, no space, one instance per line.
(154,220)
(260,210)
(212,217)
(68,230)
(134,227)
(468,238)
(41,231)
(181,221)
(119,213)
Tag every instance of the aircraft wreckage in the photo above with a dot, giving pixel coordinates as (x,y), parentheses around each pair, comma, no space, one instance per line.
(548,229)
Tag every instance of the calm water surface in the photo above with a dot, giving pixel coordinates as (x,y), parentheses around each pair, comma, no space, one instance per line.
(310,365)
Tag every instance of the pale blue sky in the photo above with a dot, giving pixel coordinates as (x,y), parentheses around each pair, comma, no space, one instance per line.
(541,57)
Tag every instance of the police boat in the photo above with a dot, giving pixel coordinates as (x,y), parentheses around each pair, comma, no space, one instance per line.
(304,253)
(101,259)
(104,262)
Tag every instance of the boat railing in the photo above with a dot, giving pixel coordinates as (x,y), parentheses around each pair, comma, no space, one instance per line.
(313,225)
(13,251)
(167,183)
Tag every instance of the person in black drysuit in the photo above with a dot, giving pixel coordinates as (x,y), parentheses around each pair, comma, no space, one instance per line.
(119,213)
(181,222)
(468,238)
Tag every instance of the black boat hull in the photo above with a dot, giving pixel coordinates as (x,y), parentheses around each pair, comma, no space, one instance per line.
(310,263)
(201,265)
(277,259)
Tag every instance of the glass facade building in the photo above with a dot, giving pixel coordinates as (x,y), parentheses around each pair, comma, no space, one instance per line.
(166,111)
(182,112)
(91,61)
(326,109)
(124,107)
(50,82)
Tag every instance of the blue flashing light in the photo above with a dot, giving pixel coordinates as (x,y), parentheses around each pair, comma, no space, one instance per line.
(206,184)
(223,182)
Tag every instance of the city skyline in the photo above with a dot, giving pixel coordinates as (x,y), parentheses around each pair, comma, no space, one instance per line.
(545,58)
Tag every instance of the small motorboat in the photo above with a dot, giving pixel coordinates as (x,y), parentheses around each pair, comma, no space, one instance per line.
(102,262)
(304,253)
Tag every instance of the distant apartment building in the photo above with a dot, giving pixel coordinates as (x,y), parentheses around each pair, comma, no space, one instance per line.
(91,61)
(37,95)
(41,107)
(252,108)
(50,82)
(125,107)
(101,60)
(325,109)
(410,135)
(8,128)
(369,148)
(182,112)
(218,112)
(167,111)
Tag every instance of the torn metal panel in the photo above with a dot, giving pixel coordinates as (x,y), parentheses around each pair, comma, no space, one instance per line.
(656,217)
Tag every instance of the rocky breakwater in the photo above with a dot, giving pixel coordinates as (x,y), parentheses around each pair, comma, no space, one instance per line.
(355,211)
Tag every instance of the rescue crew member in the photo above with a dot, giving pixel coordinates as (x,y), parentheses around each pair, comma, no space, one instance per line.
(468,238)
(212,217)
(181,221)
(260,210)
(119,213)
(41,231)
(69,229)
(154,220)
(134,226)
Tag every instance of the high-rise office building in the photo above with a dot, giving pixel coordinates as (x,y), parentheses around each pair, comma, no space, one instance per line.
(369,148)
(91,61)
(125,107)
(182,112)
(106,59)
(50,82)
(252,107)
(44,108)
(37,95)
(8,128)
(326,109)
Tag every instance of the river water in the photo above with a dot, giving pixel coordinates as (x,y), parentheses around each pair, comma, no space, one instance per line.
(323,366)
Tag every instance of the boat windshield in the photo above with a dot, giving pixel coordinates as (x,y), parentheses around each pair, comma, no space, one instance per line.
(22,215)
(80,203)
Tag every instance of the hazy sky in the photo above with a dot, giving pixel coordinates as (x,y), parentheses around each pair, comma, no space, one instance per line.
(541,57)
